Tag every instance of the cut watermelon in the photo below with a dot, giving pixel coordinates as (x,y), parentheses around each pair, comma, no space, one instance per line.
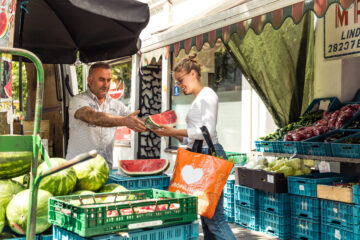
(142,167)
(165,118)
(4,23)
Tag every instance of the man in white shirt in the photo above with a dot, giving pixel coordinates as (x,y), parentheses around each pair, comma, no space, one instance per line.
(94,116)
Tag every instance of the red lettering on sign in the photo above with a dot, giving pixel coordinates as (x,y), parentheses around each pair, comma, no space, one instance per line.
(340,16)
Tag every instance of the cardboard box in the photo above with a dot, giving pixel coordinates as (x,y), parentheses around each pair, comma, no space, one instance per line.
(44,128)
(334,193)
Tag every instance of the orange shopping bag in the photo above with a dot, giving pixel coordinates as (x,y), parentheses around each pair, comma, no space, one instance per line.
(200,175)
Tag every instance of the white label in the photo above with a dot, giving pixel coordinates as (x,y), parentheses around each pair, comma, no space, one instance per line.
(324,104)
(335,210)
(337,234)
(304,206)
(324,167)
(270,178)
(145,224)
(301,187)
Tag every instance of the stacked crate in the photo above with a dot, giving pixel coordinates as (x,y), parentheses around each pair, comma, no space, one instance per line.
(246,207)
(143,182)
(275,214)
(307,214)
(229,199)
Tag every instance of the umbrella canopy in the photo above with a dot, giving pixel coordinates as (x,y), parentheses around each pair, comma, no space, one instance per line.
(55,30)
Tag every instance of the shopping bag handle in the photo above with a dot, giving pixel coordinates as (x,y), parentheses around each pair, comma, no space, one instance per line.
(197,146)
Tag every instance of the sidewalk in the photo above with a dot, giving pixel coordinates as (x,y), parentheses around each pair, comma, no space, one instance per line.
(242,233)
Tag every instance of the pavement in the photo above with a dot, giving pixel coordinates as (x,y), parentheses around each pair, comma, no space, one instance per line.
(242,233)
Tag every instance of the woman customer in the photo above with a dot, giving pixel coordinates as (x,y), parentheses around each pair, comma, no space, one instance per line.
(203,112)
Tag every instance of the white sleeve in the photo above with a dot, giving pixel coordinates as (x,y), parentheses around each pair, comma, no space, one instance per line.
(123,110)
(185,141)
(209,108)
(75,104)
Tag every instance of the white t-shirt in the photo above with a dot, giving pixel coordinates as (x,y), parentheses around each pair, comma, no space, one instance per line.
(203,112)
(84,136)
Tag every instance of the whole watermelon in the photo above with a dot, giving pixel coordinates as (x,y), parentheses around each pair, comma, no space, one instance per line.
(83,201)
(112,187)
(23,179)
(60,183)
(2,218)
(92,174)
(17,211)
(8,189)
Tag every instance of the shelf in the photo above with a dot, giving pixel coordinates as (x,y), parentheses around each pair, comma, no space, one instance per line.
(321,158)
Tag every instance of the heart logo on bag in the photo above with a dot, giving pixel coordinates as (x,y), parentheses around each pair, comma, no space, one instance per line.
(191,175)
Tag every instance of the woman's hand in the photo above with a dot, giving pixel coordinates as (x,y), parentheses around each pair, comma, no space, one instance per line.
(165,131)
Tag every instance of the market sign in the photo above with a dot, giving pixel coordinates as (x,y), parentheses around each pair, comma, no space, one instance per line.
(7,22)
(342,31)
(116,89)
(5,83)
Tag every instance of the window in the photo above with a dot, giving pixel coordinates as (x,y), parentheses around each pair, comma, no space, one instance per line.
(219,72)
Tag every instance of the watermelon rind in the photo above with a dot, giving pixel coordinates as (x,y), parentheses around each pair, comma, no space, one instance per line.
(8,190)
(60,183)
(144,173)
(23,179)
(2,218)
(18,207)
(92,174)
(14,164)
(112,187)
(151,124)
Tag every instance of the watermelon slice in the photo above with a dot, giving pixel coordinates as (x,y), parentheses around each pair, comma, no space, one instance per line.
(165,118)
(4,23)
(141,167)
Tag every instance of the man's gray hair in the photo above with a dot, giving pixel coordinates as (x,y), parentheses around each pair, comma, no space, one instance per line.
(103,65)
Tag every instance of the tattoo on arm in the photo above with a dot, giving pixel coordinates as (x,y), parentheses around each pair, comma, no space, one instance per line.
(89,115)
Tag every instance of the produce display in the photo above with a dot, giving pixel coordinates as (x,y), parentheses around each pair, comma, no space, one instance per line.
(60,183)
(352,140)
(335,136)
(142,167)
(18,207)
(23,179)
(112,187)
(287,166)
(92,174)
(2,218)
(330,121)
(305,120)
(168,118)
(14,164)
(8,189)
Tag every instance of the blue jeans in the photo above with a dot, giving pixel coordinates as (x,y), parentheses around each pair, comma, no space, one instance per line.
(217,228)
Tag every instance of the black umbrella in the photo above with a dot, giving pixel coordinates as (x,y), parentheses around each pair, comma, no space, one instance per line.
(55,30)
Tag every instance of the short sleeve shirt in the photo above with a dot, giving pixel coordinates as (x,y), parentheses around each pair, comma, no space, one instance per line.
(85,137)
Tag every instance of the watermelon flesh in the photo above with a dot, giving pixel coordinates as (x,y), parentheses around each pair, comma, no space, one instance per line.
(168,118)
(142,167)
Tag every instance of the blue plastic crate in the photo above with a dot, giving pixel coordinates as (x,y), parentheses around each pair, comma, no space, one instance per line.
(229,202)
(305,207)
(341,149)
(229,215)
(229,186)
(47,235)
(331,104)
(246,197)
(239,158)
(331,232)
(305,185)
(356,194)
(337,213)
(291,147)
(133,183)
(305,229)
(247,217)
(316,146)
(177,232)
(278,203)
(275,225)
(268,146)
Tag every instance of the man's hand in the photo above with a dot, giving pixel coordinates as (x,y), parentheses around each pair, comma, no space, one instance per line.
(134,123)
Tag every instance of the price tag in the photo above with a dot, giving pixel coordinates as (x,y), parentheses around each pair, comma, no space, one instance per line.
(301,187)
(270,178)
(324,167)
(304,206)
(337,234)
(335,210)
(145,224)
(324,105)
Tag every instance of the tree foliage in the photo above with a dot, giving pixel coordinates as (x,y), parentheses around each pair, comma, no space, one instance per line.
(15,82)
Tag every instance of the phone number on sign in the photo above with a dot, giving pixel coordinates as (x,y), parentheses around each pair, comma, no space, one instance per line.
(343,46)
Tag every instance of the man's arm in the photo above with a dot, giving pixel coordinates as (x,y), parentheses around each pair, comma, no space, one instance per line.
(87,114)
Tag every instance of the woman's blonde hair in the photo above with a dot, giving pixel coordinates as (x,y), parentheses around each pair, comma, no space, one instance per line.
(187,64)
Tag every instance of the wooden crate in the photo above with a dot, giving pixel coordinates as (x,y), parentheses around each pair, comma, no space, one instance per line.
(44,128)
(335,193)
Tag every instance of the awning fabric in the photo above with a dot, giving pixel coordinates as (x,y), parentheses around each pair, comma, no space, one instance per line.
(275,18)
(157,53)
